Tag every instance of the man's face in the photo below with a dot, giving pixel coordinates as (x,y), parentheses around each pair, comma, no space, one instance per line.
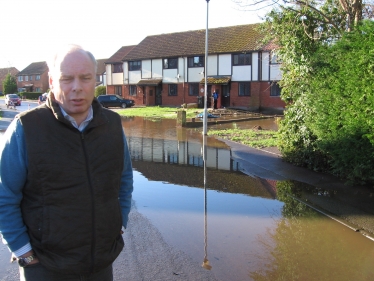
(74,85)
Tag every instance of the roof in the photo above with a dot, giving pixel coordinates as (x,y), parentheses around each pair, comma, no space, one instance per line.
(101,66)
(118,56)
(223,80)
(149,82)
(34,68)
(239,38)
(4,72)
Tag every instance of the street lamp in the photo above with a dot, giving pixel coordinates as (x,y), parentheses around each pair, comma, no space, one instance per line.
(205,117)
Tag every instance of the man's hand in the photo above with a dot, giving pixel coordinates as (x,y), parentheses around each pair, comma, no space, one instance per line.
(25,255)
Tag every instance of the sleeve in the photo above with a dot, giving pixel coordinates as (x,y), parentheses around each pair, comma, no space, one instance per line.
(13,173)
(125,193)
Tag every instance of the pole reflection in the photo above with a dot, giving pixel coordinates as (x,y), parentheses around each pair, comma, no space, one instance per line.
(206,263)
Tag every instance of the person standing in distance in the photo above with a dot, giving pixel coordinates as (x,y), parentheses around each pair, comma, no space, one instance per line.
(215,99)
(62,214)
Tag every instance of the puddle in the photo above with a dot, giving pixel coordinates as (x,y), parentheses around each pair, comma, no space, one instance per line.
(244,228)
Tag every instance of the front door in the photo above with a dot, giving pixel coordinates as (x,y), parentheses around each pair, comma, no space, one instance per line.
(145,96)
(209,95)
(158,97)
(225,102)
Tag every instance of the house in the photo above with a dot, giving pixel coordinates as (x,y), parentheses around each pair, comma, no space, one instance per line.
(34,78)
(101,72)
(3,74)
(114,71)
(169,69)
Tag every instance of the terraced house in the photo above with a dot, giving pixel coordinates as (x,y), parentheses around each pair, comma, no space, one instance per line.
(34,78)
(168,69)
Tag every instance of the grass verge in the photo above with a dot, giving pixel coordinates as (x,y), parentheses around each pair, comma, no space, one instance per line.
(157,112)
(251,137)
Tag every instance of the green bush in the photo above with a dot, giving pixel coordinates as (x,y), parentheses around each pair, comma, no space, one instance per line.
(100,90)
(30,95)
(331,128)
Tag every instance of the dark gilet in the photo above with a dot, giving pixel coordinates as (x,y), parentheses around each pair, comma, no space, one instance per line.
(70,199)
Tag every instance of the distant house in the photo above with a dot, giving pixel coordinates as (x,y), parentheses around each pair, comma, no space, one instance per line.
(114,71)
(34,78)
(169,69)
(101,72)
(4,72)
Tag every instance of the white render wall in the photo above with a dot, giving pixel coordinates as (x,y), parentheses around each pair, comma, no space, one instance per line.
(265,66)
(212,65)
(108,69)
(241,73)
(157,68)
(146,69)
(224,64)
(255,66)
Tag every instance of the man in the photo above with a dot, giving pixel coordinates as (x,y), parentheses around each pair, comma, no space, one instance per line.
(215,98)
(66,179)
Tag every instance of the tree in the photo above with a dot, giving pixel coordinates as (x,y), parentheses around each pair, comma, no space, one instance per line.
(100,90)
(350,11)
(9,84)
(326,82)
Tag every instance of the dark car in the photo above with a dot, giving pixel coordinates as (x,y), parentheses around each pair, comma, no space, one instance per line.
(12,99)
(115,101)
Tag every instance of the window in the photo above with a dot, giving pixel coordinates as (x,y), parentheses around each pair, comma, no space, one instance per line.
(135,65)
(98,78)
(118,90)
(244,89)
(37,77)
(20,78)
(241,59)
(196,61)
(26,78)
(117,68)
(274,58)
(38,90)
(193,89)
(173,90)
(275,90)
(30,77)
(170,63)
(133,90)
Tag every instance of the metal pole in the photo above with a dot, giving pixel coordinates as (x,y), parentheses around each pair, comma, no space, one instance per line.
(205,117)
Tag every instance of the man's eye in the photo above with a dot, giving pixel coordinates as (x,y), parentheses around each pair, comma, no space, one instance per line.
(65,79)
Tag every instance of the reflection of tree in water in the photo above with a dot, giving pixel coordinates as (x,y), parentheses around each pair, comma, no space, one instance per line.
(307,246)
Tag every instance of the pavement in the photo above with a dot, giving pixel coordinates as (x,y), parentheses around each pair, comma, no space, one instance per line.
(148,257)
(350,205)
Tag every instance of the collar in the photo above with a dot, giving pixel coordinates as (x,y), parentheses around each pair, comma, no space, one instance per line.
(85,122)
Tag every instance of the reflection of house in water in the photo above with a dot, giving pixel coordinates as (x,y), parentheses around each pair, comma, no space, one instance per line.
(181,162)
(180,152)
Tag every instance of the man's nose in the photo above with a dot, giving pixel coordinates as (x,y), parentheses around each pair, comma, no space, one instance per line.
(77,85)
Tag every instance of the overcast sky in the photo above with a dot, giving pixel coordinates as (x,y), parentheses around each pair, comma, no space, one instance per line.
(31,30)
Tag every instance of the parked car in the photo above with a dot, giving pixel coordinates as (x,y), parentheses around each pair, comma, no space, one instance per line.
(12,99)
(42,98)
(115,101)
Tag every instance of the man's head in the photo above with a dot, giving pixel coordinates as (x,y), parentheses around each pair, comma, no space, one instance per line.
(72,80)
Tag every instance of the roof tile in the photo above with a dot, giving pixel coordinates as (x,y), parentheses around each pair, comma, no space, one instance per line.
(239,38)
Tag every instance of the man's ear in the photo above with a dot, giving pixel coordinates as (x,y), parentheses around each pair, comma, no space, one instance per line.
(50,79)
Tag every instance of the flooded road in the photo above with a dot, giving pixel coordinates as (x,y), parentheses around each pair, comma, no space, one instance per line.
(234,225)
(239,227)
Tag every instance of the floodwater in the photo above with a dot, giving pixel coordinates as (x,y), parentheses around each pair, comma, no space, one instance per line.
(239,227)
(231,223)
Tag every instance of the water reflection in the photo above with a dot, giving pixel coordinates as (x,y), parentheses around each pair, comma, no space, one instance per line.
(256,230)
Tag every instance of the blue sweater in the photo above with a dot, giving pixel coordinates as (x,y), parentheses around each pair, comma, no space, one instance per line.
(13,173)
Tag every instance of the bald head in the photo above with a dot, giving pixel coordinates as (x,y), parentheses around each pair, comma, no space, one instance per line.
(55,62)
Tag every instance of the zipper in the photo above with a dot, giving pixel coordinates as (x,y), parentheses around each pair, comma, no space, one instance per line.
(93,232)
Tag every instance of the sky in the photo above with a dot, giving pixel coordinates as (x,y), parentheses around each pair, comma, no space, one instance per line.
(32,30)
